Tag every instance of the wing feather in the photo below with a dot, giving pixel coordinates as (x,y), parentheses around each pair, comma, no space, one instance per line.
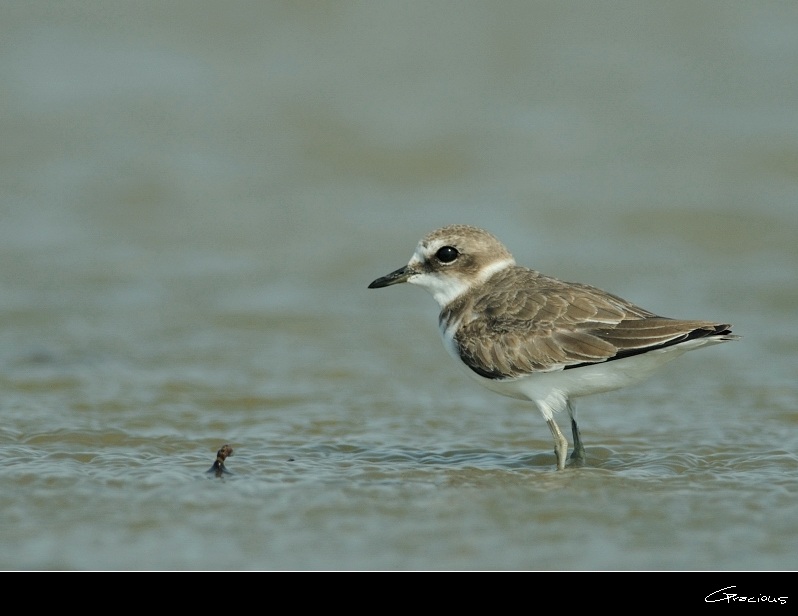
(530,322)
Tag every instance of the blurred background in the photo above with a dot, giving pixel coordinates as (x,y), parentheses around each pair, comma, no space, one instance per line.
(195,195)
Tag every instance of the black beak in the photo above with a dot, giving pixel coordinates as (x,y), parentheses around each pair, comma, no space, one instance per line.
(400,275)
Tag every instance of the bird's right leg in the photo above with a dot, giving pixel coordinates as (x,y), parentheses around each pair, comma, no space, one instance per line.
(560,444)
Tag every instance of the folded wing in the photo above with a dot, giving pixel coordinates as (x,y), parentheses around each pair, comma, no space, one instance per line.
(541,324)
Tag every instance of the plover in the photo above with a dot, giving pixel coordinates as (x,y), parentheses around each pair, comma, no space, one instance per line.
(529,336)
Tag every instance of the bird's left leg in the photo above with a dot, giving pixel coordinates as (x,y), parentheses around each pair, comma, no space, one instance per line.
(578,455)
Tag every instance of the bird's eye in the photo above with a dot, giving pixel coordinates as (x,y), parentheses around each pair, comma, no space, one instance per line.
(447,254)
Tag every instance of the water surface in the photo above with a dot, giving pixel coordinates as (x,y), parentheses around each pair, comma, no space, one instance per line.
(194,198)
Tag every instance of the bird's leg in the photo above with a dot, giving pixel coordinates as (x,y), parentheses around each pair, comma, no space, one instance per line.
(560,444)
(578,454)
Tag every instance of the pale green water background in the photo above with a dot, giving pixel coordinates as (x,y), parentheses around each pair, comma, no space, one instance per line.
(195,195)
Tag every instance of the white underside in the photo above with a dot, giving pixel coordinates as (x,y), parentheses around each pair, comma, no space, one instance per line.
(550,391)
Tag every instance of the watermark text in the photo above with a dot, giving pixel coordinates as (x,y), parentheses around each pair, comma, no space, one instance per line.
(733,597)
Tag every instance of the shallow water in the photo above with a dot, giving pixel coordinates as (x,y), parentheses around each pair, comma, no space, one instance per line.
(194,199)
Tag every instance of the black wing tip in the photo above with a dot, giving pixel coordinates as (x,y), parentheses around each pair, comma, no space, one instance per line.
(722,331)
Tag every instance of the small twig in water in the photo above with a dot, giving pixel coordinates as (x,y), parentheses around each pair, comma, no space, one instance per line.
(218,466)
